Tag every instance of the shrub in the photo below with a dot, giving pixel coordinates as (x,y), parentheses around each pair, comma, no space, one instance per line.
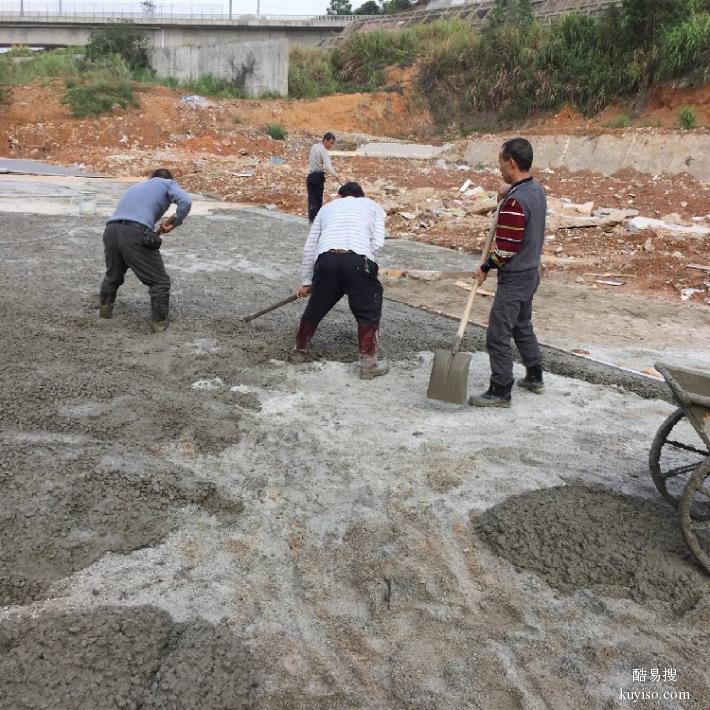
(123,38)
(685,49)
(276,131)
(687,118)
(93,98)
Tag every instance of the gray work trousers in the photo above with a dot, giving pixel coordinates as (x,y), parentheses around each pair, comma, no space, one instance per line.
(511,317)
(124,248)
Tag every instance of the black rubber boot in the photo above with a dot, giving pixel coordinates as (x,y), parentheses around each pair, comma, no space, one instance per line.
(493,397)
(159,317)
(106,306)
(533,380)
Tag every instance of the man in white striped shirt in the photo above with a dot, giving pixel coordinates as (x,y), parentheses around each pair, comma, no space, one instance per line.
(338,260)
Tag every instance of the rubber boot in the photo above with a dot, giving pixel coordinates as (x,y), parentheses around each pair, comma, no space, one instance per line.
(300,352)
(106,305)
(370,365)
(159,317)
(494,397)
(533,379)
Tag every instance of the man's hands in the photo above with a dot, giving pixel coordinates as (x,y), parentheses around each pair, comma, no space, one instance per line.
(480,275)
(303,291)
(503,190)
(167,225)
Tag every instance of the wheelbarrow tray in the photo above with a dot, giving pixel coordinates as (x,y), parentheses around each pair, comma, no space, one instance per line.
(691,390)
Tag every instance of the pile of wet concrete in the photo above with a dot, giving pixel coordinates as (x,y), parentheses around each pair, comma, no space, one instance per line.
(122,658)
(581,537)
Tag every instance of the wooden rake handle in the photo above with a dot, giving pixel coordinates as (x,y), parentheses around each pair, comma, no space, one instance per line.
(268,309)
(469,304)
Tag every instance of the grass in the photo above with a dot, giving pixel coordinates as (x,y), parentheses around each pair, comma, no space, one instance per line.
(206,85)
(310,73)
(621,120)
(276,131)
(92,98)
(687,118)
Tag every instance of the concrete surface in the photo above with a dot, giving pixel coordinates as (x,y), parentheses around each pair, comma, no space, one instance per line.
(268,61)
(36,167)
(62,31)
(647,151)
(413,151)
(189,521)
(612,328)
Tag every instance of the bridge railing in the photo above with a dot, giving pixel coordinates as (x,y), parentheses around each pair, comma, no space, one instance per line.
(163,16)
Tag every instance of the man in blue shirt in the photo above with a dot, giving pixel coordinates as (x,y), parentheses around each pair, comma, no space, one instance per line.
(131,242)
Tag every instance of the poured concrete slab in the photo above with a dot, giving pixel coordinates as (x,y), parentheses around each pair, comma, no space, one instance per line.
(412,151)
(36,167)
(653,153)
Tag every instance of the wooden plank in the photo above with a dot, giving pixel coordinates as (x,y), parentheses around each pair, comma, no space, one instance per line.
(468,287)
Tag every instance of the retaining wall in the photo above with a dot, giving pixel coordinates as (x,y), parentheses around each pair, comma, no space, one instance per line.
(670,153)
(269,59)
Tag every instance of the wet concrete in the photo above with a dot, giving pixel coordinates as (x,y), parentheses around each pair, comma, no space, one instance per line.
(577,537)
(153,527)
(122,658)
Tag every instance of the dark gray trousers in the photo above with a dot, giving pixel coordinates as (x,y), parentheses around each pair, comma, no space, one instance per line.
(124,249)
(511,317)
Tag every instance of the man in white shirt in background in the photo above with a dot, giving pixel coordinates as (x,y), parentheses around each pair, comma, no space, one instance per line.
(318,165)
(338,260)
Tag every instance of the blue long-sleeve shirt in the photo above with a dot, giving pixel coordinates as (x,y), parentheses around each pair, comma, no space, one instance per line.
(148,201)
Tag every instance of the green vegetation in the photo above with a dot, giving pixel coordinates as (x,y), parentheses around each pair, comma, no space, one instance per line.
(622,120)
(92,98)
(123,38)
(687,118)
(40,66)
(310,73)
(206,85)
(276,131)
(515,65)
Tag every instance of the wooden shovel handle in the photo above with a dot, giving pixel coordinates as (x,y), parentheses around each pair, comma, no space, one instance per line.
(474,290)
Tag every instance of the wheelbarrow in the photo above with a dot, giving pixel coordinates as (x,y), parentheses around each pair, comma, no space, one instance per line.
(679,464)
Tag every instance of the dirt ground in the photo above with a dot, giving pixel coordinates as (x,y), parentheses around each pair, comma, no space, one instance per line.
(189,521)
(223,149)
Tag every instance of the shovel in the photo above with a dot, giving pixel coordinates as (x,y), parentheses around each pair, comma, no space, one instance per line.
(449,374)
(268,309)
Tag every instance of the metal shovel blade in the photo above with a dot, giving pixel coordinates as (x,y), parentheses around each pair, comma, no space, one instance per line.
(449,377)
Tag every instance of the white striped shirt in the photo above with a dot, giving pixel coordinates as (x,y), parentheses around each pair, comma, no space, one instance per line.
(354,223)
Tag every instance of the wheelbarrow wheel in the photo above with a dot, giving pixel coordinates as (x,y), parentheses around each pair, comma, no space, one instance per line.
(674,455)
(697,531)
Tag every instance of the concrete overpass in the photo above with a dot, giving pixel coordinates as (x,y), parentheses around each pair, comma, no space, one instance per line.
(170,30)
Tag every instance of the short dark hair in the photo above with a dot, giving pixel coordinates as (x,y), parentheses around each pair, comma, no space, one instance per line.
(329,136)
(162,173)
(351,189)
(520,150)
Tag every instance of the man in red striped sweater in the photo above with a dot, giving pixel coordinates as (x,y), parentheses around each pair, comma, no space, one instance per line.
(520,234)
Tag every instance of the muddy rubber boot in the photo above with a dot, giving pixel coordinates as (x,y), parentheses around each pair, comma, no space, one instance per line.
(370,365)
(301,352)
(106,306)
(159,319)
(533,380)
(493,397)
